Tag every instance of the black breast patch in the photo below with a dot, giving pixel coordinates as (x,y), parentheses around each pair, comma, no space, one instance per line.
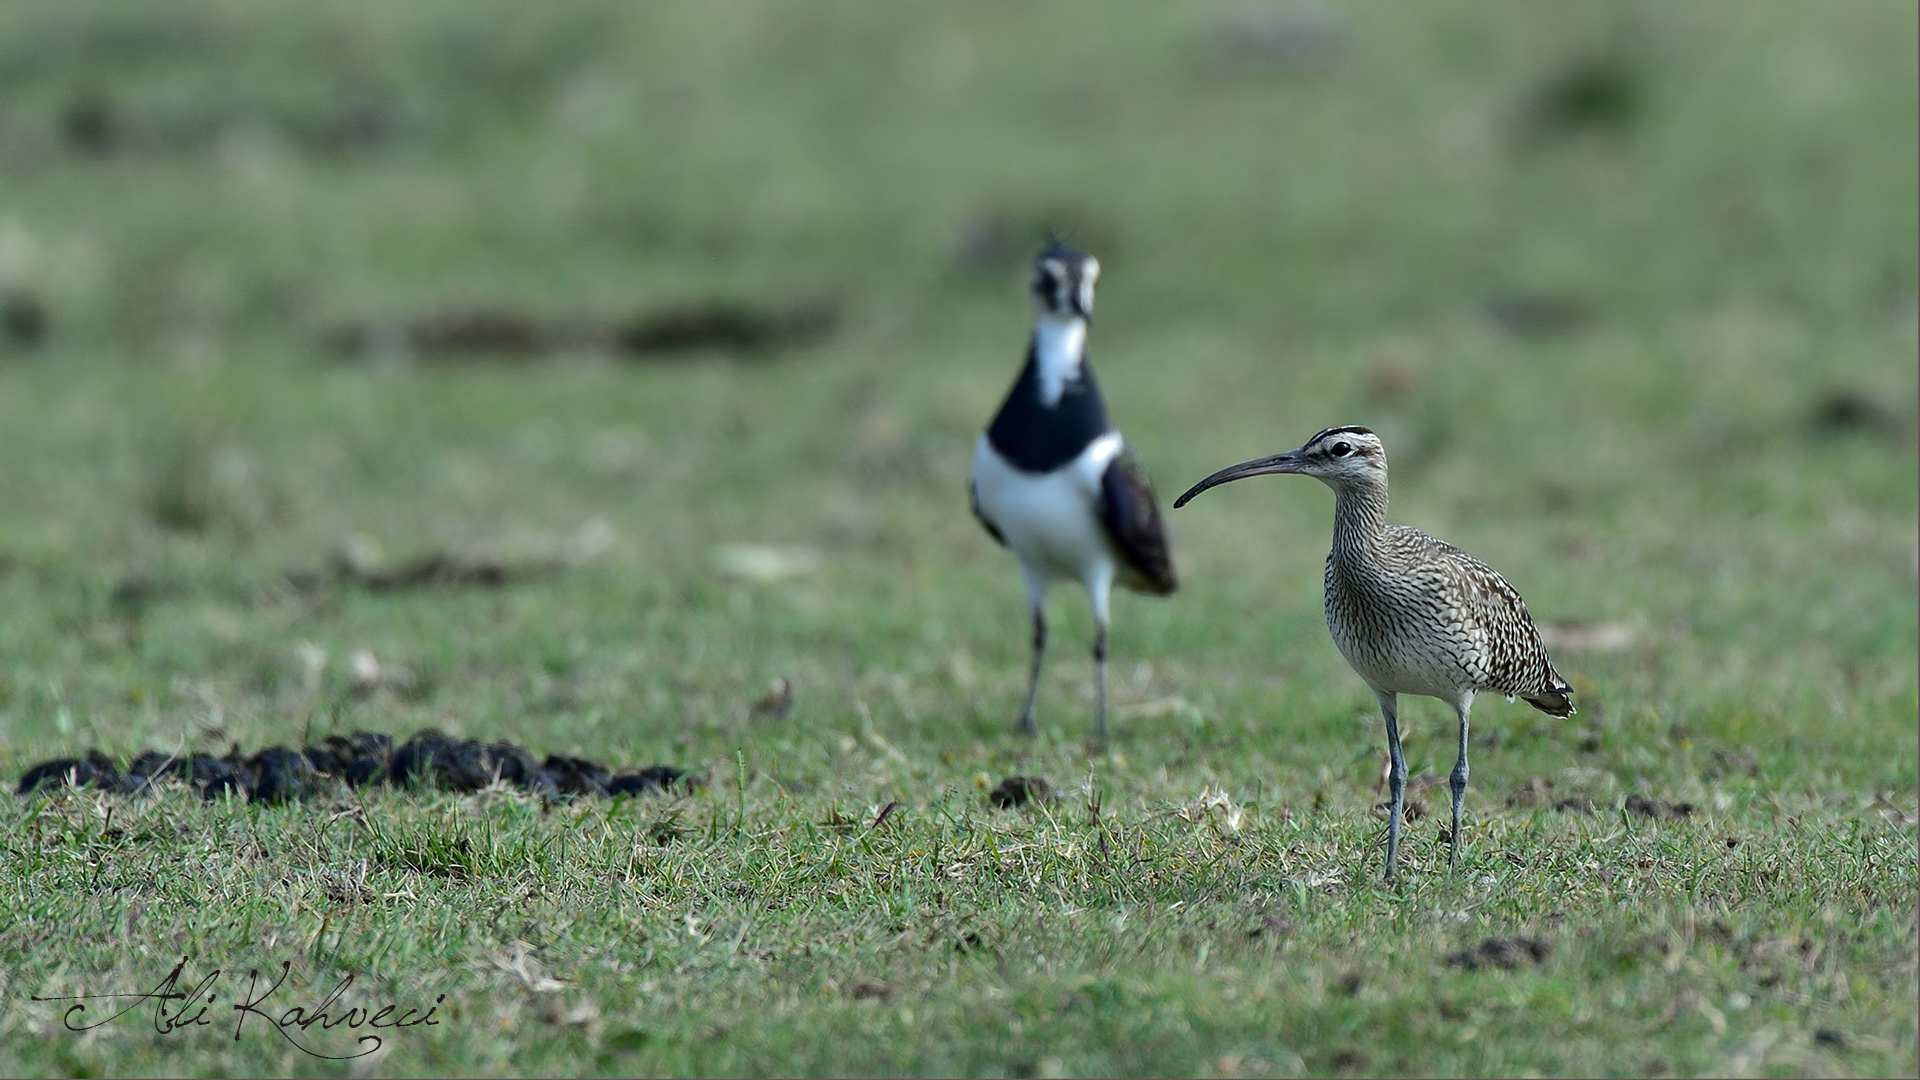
(1036,438)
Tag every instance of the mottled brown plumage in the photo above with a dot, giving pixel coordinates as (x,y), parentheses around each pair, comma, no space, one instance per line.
(1412,614)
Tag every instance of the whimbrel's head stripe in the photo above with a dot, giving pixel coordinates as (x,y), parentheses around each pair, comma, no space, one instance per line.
(1350,429)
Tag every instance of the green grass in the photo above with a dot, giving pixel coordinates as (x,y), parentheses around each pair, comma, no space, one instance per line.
(1287,244)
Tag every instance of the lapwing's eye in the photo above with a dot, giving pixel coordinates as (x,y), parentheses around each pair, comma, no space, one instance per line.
(1341,449)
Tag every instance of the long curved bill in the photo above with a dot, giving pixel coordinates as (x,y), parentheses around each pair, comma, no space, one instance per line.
(1289,462)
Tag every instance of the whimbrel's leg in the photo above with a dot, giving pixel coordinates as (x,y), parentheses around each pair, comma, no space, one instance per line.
(1396,777)
(1459,778)
(1027,724)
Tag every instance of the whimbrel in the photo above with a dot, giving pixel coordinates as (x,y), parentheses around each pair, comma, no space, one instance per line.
(1058,485)
(1412,614)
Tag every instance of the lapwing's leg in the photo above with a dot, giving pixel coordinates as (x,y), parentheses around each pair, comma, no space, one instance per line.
(1028,725)
(1459,777)
(1396,777)
(1037,603)
(1100,684)
(1099,592)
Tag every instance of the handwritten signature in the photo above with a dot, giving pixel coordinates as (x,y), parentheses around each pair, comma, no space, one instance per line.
(178,1006)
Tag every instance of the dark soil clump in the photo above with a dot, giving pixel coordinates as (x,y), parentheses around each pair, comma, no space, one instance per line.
(577,775)
(646,781)
(430,758)
(1508,954)
(1658,808)
(1019,791)
(95,770)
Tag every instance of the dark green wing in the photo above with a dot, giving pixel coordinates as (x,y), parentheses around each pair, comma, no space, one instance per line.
(1132,517)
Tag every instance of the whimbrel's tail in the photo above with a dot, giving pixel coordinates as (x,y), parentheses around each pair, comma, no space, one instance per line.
(1556,700)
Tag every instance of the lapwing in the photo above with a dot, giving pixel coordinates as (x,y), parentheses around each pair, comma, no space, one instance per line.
(1412,614)
(1058,485)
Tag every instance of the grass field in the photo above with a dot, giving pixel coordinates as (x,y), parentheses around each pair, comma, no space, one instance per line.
(1629,291)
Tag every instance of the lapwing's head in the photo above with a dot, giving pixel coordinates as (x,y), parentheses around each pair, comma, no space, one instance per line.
(1339,457)
(1063,281)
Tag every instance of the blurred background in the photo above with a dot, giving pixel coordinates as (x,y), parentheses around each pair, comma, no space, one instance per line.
(593,366)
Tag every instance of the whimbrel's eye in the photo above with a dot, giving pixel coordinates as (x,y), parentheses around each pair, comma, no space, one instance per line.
(1341,449)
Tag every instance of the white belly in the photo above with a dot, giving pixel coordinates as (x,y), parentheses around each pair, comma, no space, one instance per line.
(1400,662)
(1051,521)
(1413,672)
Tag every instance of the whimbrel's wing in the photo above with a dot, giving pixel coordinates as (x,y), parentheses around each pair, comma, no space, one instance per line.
(973,498)
(1502,644)
(1131,515)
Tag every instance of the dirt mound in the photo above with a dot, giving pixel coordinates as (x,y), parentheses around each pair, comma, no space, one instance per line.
(429,759)
(1507,954)
(713,325)
(1019,791)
